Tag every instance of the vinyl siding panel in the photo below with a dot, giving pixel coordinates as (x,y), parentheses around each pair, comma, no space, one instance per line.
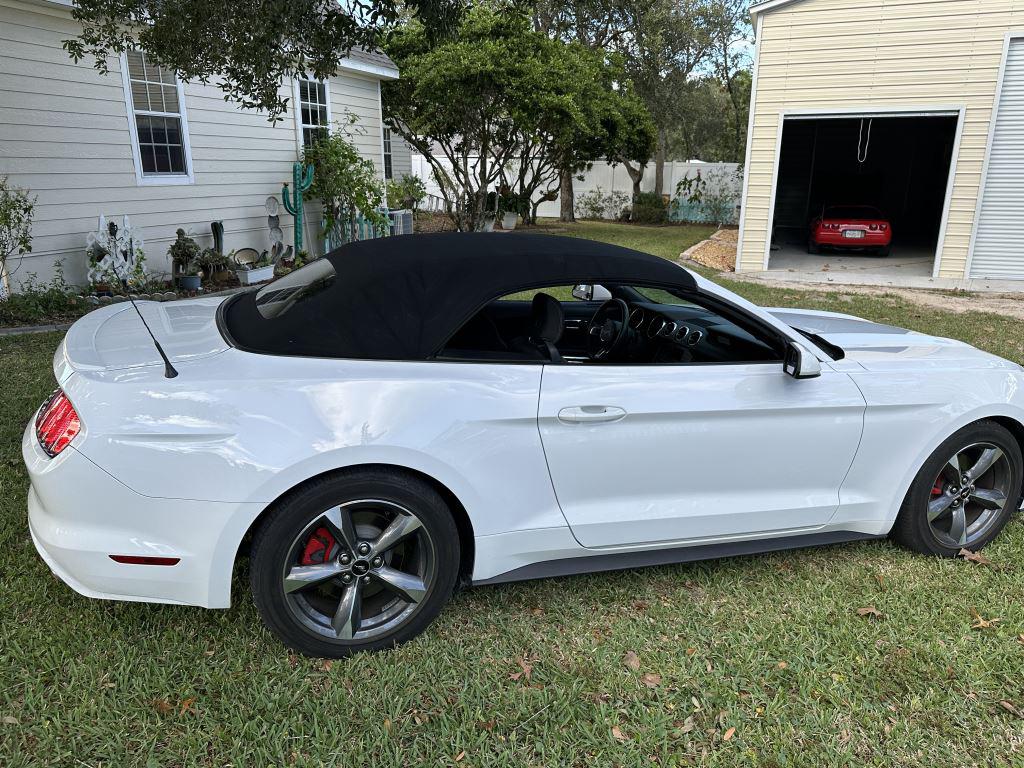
(876,55)
(64,134)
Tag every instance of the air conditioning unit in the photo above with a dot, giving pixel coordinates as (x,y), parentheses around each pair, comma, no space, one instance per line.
(401,221)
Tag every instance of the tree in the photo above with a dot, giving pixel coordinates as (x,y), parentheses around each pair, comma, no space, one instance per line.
(500,106)
(585,111)
(664,44)
(247,52)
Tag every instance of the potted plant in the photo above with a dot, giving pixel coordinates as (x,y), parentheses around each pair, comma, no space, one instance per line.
(185,256)
(214,265)
(255,270)
(190,278)
(509,205)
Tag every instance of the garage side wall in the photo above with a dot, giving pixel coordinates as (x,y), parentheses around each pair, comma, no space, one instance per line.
(821,55)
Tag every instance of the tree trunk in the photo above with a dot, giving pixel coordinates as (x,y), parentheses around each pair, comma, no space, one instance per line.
(659,163)
(567,196)
(636,175)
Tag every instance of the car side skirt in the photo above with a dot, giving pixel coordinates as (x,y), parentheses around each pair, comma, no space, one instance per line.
(626,560)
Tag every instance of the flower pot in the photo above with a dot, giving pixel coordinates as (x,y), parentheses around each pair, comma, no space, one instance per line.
(489,224)
(189,282)
(258,275)
(509,220)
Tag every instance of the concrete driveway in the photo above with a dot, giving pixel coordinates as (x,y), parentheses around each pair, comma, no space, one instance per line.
(904,262)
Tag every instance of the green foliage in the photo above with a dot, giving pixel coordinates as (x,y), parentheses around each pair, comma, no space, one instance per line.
(508,107)
(17,208)
(37,302)
(247,51)
(597,204)
(346,183)
(407,192)
(184,254)
(649,208)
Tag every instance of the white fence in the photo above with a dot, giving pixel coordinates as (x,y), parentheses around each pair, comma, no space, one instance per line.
(610,178)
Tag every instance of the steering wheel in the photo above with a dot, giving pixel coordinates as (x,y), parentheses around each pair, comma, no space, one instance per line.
(608,329)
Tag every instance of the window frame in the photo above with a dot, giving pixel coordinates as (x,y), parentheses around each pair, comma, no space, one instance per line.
(158,179)
(386,138)
(300,144)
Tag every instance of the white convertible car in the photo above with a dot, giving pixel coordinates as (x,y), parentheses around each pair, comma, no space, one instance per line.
(414,413)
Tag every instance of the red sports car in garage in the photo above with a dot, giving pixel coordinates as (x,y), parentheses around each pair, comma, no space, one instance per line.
(851,226)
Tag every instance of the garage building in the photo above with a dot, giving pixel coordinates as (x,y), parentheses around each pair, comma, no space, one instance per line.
(912,107)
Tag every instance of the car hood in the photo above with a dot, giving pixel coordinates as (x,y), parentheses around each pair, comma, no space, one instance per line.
(885,347)
(113,337)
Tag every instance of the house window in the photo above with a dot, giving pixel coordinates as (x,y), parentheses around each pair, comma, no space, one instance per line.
(314,111)
(387,153)
(160,131)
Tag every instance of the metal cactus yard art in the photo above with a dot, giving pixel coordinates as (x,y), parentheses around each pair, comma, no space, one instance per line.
(302,178)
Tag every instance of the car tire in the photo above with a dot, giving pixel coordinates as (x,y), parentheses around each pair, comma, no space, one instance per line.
(942,515)
(885,251)
(325,583)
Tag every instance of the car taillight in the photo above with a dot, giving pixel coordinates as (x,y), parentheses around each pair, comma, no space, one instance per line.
(874,227)
(833,226)
(883,227)
(57,423)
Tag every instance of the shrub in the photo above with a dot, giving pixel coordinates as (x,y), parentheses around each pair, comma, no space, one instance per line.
(37,303)
(345,183)
(408,192)
(649,208)
(596,204)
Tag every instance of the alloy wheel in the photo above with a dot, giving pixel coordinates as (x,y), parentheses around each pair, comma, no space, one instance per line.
(969,495)
(359,570)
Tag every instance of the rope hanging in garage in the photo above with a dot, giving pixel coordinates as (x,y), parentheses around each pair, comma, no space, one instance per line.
(862,145)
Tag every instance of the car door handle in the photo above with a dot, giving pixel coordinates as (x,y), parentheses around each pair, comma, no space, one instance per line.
(574,325)
(591,414)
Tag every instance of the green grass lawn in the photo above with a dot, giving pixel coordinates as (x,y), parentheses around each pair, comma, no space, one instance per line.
(759,661)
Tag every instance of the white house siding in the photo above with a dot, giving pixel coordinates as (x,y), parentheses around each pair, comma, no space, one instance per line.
(401,157)
(874,55)
(64,134)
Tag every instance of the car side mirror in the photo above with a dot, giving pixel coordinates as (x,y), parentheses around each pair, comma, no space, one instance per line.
(800,363)
(586,292)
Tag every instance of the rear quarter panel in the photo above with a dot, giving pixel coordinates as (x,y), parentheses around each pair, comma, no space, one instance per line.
(242,427)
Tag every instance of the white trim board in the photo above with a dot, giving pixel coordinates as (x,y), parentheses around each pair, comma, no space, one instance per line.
(1013,34)
(750,145)
(958,111)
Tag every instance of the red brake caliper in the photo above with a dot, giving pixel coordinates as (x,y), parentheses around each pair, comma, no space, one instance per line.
(937,489)
(318,548)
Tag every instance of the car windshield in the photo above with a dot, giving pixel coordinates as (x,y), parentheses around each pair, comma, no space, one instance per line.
(278,297)
(852,212)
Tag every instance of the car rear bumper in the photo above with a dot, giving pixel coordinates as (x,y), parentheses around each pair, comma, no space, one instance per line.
(836,240)
(79,516)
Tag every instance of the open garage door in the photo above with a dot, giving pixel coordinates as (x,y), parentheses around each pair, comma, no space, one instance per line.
(896,165)
(999,242)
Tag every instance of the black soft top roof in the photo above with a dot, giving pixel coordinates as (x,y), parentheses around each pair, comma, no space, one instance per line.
(402,298)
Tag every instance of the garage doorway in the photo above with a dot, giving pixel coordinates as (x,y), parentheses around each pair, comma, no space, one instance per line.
(897,164)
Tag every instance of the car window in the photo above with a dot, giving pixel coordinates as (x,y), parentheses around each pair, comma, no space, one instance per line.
(280,296)
(665,327)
